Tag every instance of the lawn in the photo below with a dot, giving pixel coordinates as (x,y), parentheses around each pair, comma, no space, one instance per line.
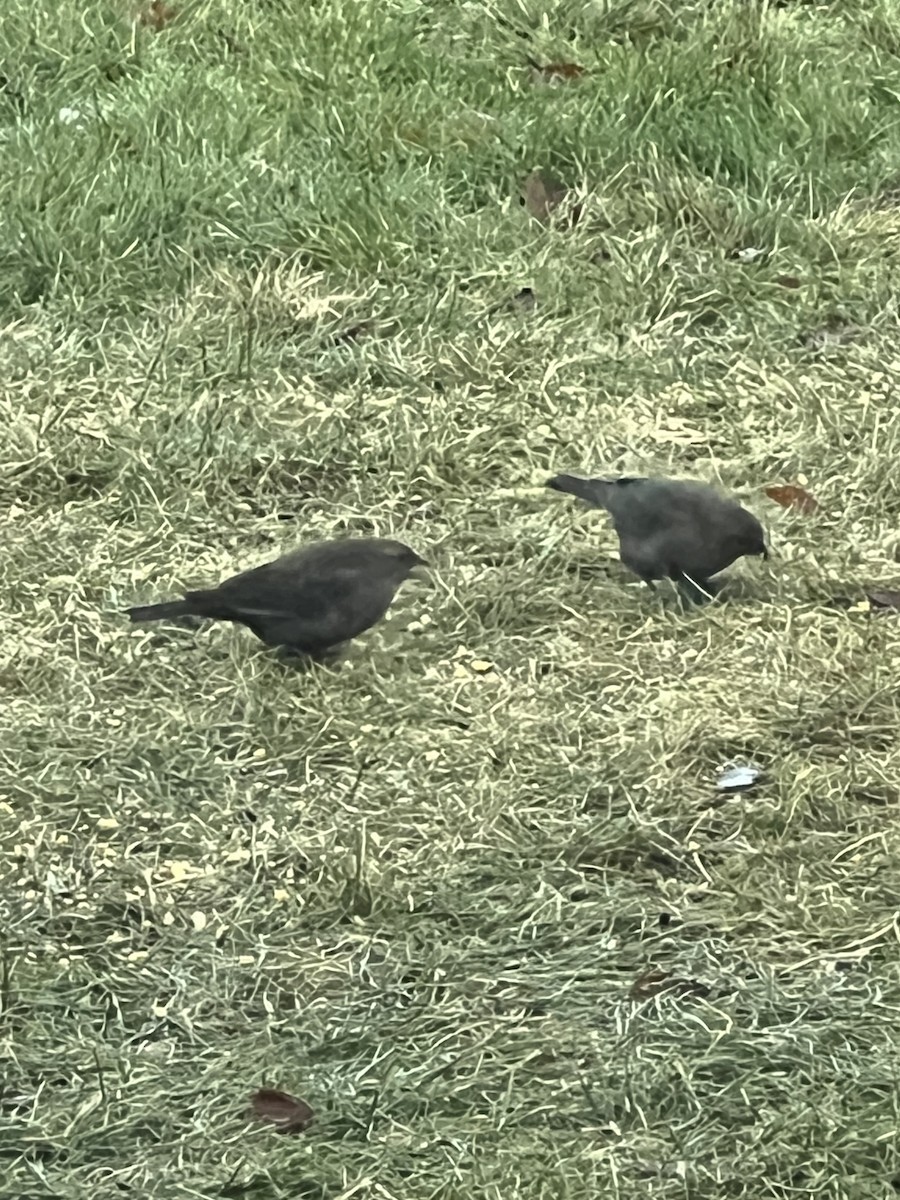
(474,896)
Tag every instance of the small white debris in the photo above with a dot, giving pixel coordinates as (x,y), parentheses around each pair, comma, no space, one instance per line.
(71,116)
(738,778)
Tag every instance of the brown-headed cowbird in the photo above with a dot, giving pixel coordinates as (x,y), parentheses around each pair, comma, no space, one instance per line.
(672,528)
(308,602)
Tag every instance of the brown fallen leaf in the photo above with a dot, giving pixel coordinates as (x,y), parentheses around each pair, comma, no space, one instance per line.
(652,983)
(788,281)
(649,984)
(542,195)
(156,15)
(554,72)
(286,1113)
(884,599)
(878,603)
(792,495)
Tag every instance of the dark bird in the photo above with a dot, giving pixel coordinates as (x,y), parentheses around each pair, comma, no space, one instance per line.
(309,602)
(672,528)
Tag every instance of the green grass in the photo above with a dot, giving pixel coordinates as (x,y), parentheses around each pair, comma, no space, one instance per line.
(417,891)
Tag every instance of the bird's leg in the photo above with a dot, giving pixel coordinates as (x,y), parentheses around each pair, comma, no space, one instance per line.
(295,658)
(332,655)
(662,597)
(300,655)
(695,591)
(329,656)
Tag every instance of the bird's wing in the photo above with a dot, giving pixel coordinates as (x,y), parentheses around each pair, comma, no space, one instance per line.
(319,606)
(642,513)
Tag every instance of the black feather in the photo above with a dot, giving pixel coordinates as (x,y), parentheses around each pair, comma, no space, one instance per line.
(672,528)
(311,600)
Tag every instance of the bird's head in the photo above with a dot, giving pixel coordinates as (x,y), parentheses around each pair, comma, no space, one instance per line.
(406,560)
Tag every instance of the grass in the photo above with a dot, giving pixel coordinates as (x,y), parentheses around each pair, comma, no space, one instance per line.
(417,891)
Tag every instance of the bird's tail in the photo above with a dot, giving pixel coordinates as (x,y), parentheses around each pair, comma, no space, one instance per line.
(593,491)
(159,612)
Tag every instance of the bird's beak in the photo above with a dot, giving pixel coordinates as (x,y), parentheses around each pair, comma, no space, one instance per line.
(420,570)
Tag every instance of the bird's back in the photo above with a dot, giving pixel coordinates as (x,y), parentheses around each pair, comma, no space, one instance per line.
(315,596)
(680,526)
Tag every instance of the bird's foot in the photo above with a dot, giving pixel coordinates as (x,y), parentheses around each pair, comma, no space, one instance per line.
(304,660)
(696,591)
